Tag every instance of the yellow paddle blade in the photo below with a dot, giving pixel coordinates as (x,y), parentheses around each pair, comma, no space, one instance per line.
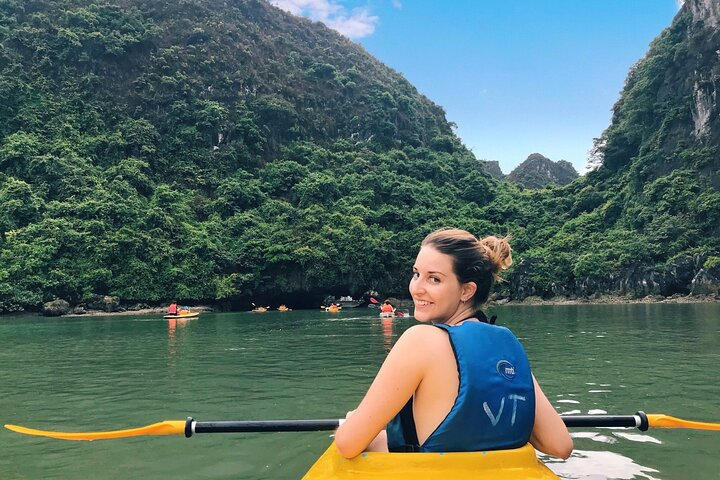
(167,427)
(666,421)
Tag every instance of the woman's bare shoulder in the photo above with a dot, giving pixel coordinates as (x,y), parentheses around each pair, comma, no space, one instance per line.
(416,346)
(423,335)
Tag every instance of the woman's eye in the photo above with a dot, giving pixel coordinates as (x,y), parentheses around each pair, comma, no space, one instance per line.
(415,275)
(434,280)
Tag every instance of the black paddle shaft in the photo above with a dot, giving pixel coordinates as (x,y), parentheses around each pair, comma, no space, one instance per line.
(191,426)
(639,420)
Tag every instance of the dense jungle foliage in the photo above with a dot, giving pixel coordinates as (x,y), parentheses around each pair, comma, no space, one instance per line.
(231,152)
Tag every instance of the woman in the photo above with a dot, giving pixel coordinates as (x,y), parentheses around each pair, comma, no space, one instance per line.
(460,384)
(387,307)
(173,308)
(387,310)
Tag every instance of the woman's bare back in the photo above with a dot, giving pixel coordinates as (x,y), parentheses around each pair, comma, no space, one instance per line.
(436,394)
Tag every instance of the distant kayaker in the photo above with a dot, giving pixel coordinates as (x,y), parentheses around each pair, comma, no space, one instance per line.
(173,308)
(460,383)
(387,307)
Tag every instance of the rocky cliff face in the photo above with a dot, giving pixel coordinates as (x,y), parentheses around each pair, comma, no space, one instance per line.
(705,44)
(538,171)
(492,167)
(683,277)
(706,12)
(668,115)
(654,199)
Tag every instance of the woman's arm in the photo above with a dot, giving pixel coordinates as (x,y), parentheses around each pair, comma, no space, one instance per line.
(393,386)
(549,435)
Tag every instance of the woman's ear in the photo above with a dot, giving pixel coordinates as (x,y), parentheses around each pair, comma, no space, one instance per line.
(468,290)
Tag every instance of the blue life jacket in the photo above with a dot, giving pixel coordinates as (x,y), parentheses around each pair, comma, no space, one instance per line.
(495,405)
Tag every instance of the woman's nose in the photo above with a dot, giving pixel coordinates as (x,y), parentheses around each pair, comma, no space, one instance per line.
(414,287)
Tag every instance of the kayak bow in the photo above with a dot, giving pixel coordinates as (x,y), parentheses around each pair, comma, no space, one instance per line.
(517,464)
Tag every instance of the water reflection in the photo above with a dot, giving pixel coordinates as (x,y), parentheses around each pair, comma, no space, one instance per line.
(590,465)
(173,325)
(387,327)
(597,465)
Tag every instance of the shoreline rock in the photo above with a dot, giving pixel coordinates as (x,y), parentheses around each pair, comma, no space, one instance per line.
(528,301)
(139,311)
(607,300)
(144,309)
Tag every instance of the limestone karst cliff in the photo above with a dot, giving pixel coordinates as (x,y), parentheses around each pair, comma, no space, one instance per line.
(538,171)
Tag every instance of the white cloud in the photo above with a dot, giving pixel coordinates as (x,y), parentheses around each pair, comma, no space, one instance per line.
(680,3)
(354,24)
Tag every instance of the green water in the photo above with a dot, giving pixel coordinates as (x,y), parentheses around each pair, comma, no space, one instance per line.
(98,373)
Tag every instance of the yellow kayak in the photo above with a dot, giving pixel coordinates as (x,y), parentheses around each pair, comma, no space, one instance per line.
(185,315)
(519,464)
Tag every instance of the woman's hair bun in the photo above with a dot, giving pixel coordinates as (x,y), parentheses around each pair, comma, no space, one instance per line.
(498,251)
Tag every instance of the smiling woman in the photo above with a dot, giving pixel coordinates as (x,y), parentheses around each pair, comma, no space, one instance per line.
(465,385)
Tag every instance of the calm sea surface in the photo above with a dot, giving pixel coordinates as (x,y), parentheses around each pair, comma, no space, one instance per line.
(104,373)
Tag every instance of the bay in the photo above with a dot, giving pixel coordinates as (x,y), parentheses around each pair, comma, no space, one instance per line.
(116,372)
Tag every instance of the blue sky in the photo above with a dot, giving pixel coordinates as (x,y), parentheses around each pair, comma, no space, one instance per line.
(516,76)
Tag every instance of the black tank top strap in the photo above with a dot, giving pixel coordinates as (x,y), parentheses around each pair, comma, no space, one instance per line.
(480,315)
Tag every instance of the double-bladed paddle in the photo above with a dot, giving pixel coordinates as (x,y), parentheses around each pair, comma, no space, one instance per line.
(189,427)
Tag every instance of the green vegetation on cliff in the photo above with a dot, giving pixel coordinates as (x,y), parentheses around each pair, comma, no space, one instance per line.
(153,149)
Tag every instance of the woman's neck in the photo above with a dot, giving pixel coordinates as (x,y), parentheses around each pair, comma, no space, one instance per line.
(463,313)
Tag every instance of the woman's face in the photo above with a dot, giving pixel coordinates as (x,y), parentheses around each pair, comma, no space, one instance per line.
(436,290)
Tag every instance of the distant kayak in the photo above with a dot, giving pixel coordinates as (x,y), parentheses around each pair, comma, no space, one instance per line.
(387,314)
(518,464)
(259,309)
(332,308)
(187,315)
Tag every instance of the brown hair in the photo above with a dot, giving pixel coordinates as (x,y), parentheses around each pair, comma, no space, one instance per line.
(474,260)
